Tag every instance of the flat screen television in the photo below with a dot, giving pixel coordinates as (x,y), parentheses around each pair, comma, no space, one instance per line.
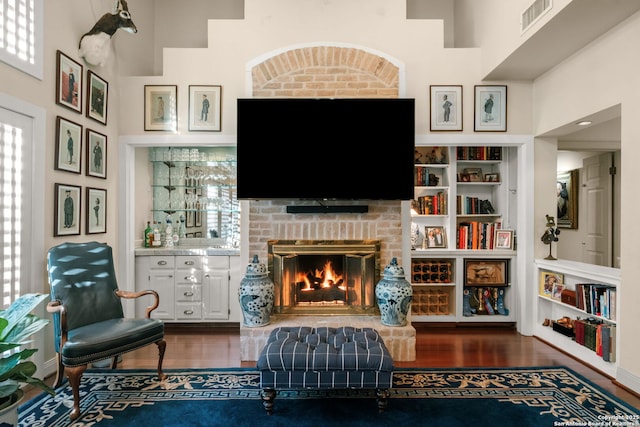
(325,149)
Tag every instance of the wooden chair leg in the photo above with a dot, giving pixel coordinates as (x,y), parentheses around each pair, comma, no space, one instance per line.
(162,346)
(74,373)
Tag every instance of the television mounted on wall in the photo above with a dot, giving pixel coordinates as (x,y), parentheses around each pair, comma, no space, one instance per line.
(325,149)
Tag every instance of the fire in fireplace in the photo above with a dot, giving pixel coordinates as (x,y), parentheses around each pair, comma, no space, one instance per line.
(324,276)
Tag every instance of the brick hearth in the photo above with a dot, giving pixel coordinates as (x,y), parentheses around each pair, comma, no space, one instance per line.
(400,340)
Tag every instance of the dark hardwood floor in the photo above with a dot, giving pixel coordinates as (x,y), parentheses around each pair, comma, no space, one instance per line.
(436,346)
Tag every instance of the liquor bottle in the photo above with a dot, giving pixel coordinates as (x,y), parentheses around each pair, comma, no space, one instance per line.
(148,232)
(157,238)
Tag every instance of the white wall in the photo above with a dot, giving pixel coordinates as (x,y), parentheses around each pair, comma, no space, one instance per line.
(601,76)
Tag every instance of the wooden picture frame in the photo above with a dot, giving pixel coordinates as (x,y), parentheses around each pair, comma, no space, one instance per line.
(435,237)
(475,174)
(161,107)
(556,292)
(503,239)
(446,108)
(492,177)
(96,211)
(66,211)
(490,103)
(96,154)
(486,272)
(205,104)
(68,146)
(567,189)
(97,97)
(68,82)
(547,282)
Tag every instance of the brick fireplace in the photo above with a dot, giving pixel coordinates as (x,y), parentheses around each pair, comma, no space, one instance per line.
(327,71)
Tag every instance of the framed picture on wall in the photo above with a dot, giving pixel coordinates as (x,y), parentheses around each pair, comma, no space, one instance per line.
(66,211)
(96,154)
(68,82)
(204,108)
(490,108)
(97,97)
(161,107)
(567,194)
(68,145)
(96,211)
(446,108)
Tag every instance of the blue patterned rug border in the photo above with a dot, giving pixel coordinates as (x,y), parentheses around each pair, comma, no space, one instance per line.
(555,391)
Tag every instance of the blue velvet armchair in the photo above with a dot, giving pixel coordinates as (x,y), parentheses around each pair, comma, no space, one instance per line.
(88,317)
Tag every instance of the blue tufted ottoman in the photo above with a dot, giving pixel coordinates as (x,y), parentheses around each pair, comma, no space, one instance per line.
(325,358)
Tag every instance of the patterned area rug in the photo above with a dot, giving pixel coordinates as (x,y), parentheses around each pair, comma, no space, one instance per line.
(542,396)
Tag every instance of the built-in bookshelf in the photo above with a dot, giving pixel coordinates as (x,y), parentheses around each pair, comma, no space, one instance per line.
(461,199)
(577,310)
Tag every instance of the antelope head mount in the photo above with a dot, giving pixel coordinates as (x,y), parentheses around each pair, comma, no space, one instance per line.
(95,45)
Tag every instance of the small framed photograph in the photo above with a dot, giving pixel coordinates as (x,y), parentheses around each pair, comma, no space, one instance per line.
(486,272)
(475,174)
(490,109)
(547,282)
(68,82)
(96,154)
(68,145)
(503,239)
(556,291)
(161,107)
(66,217)
(97,97)
(491,177)
(96,217)
(446,108)
(435,237)
(205,108)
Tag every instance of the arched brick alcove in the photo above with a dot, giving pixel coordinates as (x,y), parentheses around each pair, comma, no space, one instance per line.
(325,71)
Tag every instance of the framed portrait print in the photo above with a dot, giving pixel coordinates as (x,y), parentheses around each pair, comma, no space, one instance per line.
(486,272)
(567,194)
(96,211)
(547,282)
(96,154)
(66,212)
(446,108)
(490,109)
(161,107)
(435,237)
(97,97)
(68,145)
(204,108)
(68,82)
(503,239)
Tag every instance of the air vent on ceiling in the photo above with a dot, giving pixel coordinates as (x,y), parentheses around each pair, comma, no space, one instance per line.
(533,13)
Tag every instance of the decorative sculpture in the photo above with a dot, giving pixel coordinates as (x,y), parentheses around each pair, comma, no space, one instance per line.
(94,45)
(550,234)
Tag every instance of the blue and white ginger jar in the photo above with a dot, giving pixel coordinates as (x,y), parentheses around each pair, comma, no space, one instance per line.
(394,294)
(256,295)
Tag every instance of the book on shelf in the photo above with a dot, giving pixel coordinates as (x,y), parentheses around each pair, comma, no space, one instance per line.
(433,204)
(479,153)
(476,234)
(596,299)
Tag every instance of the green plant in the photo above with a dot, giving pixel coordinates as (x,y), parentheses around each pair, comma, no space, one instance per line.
(17,324)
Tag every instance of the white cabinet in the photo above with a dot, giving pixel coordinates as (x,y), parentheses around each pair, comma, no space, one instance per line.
(462,195)
(572,273)
(192,288)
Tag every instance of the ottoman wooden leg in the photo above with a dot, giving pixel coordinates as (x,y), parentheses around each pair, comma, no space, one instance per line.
(383,399)
(268,396)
